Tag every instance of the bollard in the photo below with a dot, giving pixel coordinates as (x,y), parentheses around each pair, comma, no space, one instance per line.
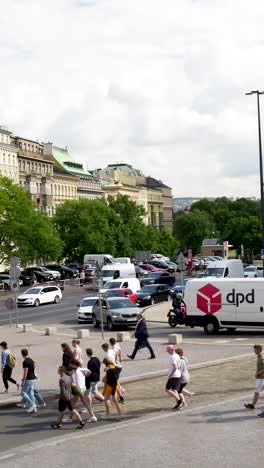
(83,333)
(175,338)
(50,331)
(122,336)
(27,327)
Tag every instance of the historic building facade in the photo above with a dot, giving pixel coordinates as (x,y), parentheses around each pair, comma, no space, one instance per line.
(8,156)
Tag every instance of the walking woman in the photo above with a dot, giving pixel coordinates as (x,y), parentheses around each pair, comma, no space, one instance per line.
(111,385)
(6,367)
(79,388)
(185,377)
(77,351)
(67,356)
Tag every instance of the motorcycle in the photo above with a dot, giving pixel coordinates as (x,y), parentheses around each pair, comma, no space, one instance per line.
(176,316)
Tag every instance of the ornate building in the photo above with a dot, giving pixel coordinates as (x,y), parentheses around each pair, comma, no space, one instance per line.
(8,156)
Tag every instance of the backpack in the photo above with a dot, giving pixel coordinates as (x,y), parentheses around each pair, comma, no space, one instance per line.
(11,360)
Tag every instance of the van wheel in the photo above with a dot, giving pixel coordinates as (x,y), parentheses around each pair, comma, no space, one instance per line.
(211,326)
(109,324)
(95,322)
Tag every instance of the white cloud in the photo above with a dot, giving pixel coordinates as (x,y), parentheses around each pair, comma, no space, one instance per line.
(157,84)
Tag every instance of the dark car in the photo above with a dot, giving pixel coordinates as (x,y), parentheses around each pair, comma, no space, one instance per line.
(159,277)
(90,275)
(27,279)
(152,293)
(66,273)
(39,276)
(163,265)
(74,266)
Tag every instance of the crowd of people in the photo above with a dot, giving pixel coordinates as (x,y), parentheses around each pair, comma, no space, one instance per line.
(78,382)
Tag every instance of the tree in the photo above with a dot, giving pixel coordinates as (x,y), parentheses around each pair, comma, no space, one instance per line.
(24,231)
(191,228)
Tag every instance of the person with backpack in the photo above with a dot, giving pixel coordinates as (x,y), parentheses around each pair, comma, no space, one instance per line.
(8,362)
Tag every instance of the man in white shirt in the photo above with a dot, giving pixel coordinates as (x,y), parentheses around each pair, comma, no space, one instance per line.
(174,376)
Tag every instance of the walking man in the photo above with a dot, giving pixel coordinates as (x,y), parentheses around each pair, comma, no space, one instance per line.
(174,377)
(28,382)
(7,365)
(141,334)
(259,377)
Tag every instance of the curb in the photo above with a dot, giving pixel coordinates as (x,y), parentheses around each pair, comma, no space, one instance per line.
(52,394)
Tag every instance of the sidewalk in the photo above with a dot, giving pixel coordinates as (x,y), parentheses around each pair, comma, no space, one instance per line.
(46,352)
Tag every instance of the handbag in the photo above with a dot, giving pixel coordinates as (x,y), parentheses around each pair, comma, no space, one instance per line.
(76,391)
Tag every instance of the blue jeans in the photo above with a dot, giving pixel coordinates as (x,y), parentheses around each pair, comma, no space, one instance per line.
(30,393)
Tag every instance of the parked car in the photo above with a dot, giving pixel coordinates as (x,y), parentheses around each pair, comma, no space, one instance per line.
(149,268)
(121,292)
(5,279)
(116,311)
(90,275)
(152,293)
(253,271)
(27,279)
(54,274)
(38,276)
(140,272)
(162,277)
(75,266)
(163,265)
(66,273)
(38,295)
(85,310)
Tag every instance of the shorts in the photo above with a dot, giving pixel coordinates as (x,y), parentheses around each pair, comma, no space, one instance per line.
(93,389)
(118,371)
(63,404)
(259,385)
(110,390)
(173,383)
(182,385)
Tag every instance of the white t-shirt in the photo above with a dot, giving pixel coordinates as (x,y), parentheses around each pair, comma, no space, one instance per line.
(111,355)
(175,359)
(117,350)
(79,377)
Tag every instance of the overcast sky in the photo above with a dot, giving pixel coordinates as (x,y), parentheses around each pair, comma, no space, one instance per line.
(156,83)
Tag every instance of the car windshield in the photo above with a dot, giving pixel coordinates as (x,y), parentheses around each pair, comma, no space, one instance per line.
(148,289)
(108,273)
(112,293)
(154,275)
(112,284)
(33,291)
(214,272)
(250,269)
(88,302)
(120,303)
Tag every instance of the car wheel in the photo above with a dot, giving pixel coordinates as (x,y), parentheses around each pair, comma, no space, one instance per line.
(211,326)
(36,303)
(56,299)
(96,324)
(152,301)
(109,324)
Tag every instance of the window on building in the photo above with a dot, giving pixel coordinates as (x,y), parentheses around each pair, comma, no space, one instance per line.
(4,158)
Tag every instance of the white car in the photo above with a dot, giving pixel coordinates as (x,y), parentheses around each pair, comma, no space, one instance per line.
(85,311)
(253,271)
(37,295)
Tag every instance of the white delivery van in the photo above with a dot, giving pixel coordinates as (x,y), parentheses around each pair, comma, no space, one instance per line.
(118,270)
(224,303)
(101,259)
(131,283)
(122,260)
(225,269)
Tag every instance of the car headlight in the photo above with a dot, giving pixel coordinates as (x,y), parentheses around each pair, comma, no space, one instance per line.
(115,316)
(147,297)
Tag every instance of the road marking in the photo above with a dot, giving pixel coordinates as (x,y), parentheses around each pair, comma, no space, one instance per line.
(62,440)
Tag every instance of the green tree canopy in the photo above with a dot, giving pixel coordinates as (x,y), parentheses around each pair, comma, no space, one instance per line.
(192,227)
(24,231)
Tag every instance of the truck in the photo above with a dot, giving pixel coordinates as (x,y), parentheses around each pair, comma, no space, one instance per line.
(100,259)
(229,303)
(225,269)
(118,270)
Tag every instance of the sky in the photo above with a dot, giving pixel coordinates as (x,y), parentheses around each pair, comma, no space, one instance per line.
(157,84)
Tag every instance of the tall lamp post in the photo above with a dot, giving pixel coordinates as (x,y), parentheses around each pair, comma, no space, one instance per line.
(258,93)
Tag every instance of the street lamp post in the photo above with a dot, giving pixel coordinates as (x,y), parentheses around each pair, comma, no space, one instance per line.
(258,93)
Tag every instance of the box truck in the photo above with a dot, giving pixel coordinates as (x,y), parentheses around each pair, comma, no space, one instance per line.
(228,303)
(225,269)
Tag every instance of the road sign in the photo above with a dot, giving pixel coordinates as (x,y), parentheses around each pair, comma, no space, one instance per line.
(15,273)
(181,262)
(10,304)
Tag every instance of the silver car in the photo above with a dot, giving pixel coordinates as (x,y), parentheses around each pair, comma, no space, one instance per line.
(116,311)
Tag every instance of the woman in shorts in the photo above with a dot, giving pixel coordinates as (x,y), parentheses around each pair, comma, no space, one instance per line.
(64,403)
(111,386)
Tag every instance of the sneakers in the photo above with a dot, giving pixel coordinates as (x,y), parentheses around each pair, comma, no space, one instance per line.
(21,405)
(130,357)
(81,425)
(178,406)
(84,410)
(249,406)
(261,415)
(93,419)
(55,426)
(32,409)
(121,400)
(152,357)
(43,405)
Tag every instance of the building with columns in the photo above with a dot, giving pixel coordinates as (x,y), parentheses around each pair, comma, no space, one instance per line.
(8,156)
(65,186)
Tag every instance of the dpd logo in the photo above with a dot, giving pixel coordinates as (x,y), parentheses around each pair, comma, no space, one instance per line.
(209,299)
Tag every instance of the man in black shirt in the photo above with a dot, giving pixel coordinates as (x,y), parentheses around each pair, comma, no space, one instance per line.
(93,379)
(28,387)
